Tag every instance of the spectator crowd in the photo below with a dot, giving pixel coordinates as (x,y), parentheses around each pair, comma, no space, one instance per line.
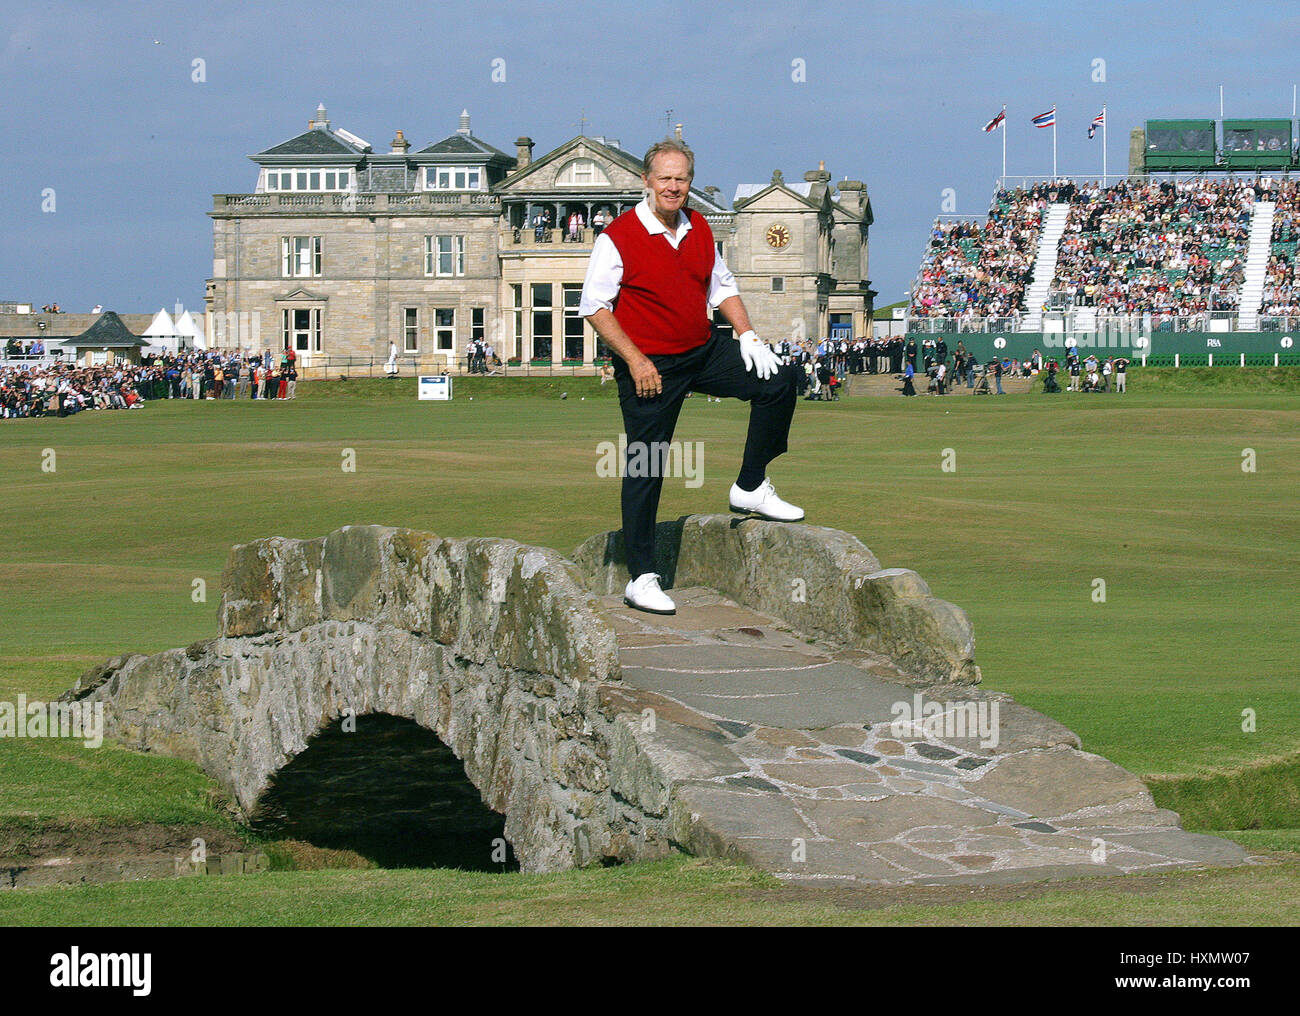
(65,389)
(972,269)
(1170,248)
(1281,295)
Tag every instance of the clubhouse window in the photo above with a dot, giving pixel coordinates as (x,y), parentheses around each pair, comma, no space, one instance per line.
(308,179)
(300,256)
(411,329)
(444,328)
(444,255)
(453,178)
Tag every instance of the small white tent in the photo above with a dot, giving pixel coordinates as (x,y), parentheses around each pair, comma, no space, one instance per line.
(162,333)
(190,331)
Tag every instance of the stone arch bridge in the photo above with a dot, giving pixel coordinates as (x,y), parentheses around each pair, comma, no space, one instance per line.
(806,710)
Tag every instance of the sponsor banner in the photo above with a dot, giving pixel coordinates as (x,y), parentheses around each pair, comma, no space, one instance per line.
(434,388)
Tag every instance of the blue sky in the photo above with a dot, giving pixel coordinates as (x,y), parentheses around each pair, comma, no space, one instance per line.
(100,106)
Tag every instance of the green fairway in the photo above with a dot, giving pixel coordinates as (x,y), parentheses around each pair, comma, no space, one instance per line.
(1146,492)
(678,891)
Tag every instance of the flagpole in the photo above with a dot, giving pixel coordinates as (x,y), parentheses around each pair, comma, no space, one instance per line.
(1053,141)
(1004,144)
(1103,144)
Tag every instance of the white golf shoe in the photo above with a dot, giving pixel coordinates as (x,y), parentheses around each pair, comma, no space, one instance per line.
(765,503)
(643,593)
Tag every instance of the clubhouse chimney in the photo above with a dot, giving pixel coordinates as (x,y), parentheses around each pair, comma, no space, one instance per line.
(851,194)
(524,150)
(818,175)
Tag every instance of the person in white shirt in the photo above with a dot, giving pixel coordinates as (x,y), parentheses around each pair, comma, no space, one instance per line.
(648,292)
(391,366)
(575,227)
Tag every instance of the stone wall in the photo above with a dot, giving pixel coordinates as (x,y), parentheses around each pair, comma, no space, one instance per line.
(822,582)
(372,270)
(494,646)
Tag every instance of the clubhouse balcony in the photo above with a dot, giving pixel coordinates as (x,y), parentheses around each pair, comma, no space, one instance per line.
(528,238)
(414,202)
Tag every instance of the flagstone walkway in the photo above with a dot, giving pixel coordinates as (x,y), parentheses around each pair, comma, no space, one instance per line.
(791,759)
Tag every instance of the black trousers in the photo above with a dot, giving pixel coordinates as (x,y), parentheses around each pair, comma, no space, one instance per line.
(715,368)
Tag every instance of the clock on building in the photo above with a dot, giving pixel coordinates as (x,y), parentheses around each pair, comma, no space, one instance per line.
(778,236)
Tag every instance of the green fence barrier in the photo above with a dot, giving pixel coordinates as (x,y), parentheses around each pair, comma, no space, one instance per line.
(1192,348)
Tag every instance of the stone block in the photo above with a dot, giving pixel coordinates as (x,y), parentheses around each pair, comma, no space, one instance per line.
(352,562)
(708,820)
(1048,783)
(876,821)
(249,597)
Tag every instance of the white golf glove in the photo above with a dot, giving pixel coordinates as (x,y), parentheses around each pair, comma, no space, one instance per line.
(758,356)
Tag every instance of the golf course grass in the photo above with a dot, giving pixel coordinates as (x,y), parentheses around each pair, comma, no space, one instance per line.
(1131,565)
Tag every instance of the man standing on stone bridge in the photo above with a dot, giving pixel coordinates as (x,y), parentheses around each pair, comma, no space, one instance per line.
(653,277)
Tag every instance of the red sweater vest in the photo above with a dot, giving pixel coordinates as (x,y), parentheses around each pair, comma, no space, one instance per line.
(662,302)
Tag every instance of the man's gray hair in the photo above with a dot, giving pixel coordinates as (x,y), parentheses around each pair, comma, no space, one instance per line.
(670,145)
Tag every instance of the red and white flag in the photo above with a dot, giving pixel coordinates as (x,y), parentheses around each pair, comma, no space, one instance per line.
(992,125)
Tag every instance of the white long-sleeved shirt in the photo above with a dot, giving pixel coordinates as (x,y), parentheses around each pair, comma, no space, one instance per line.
(605,269)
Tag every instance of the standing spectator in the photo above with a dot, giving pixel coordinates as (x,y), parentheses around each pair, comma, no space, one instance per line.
(576,224)
(824,375)
(908,372)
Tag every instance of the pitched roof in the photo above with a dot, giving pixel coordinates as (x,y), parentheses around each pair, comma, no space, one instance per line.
(615,154)
(161,326)
(318,141)
(189,328)
(748,190)
(463,144)
(108,330)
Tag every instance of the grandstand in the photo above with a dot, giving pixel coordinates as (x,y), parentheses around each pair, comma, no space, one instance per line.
(1196,257)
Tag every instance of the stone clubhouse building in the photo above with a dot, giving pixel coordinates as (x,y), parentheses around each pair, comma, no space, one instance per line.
(339,250)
